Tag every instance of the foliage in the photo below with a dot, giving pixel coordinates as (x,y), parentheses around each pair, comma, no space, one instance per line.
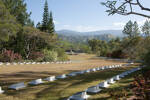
(50,26)
(117,94)
(45,17)
(141,86)
(36,56)
(50,55)
(35,39)
(62,56)
(18,9)
(9,56)
(8,25)
(131,29)
(146,28)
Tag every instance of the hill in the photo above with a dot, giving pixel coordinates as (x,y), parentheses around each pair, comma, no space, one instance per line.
(78,37)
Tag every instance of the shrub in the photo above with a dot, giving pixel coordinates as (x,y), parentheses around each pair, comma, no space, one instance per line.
(62,56)
(9,56)
(117,54)
(37,56)
(50,55)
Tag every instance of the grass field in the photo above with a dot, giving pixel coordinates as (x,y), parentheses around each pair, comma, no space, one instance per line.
(59,89)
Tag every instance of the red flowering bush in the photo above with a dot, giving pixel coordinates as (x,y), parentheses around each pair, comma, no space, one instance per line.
(9,56)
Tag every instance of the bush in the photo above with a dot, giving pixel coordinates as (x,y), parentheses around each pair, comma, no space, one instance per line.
(117,54)
(50,55)
(9,56)
(36,56)
(146,59)
(62,56)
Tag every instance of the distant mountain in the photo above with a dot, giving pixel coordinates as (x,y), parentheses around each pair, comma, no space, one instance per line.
(116,33)
(78,37)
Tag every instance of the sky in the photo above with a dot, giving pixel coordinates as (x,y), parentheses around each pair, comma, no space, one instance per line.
(81,15)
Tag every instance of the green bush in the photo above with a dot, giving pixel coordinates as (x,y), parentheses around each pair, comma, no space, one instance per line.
(50,55)
(62,56)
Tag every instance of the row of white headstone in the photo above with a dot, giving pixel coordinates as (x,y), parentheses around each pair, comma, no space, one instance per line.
(27,63)
(53,78)
(96,89)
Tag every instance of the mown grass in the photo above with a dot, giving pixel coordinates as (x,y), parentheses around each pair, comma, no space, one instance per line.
(67,87)
(62,89)
(118,87)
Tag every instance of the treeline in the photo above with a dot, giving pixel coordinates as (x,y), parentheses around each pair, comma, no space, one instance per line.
(20,40)
(135,44)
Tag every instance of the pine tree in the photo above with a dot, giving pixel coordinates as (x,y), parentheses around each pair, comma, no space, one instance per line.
(18,9)
(38,26)
(45,17)
(146,28)
(131,29)
(136,31)
(128,29)
(51,26)
(8,25)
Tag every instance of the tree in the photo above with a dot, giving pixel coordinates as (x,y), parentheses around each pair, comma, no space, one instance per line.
(51,27)
(125,7)
(8,24)
(17,8)
(128,29)
(131,29)
(45,17)
(146,28)
(136,31)
(39,26)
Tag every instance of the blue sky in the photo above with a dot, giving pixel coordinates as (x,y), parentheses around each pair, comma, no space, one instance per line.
(80,15)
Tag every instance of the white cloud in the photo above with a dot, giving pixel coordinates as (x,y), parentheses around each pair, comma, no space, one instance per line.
(86,28)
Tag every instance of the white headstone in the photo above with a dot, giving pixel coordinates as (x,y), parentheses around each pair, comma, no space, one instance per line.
(1,91)
(36,82)
(93,89)
(7,63)
(116,77)
(79,96)
(87,71)
(33,62)
(103,84)
(1,63)
(93,69)
(97,68)
(111,80)
(61,76)
(52,78)
(14,63)
(21,63)
(72,74)
(17,86)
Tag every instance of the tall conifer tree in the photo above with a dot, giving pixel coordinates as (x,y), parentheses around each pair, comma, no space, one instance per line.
(45,17)
(51,26)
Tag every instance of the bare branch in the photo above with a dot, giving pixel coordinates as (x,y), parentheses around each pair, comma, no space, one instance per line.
(143,8)
(122,9)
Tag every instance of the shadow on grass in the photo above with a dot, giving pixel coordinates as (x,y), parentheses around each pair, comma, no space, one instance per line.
(51,90)
(78,80)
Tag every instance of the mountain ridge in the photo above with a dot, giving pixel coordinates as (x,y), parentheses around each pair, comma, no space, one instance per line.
(116,33)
